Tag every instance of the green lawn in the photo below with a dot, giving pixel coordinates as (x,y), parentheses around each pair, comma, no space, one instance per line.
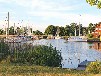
(32,70)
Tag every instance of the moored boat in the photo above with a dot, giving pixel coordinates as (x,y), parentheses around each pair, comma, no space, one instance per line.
(77,38)
(57,37)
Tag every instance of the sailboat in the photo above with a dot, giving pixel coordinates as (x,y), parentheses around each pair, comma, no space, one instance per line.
(57,37)
(57,34)
(77,38)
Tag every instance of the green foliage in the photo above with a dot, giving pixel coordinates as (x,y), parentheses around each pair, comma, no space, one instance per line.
(91,27)
(50,30)
(19,31)
(38,55)
(1,32)
(94,67)
(65,37)
(84,31)
(72,28)
(67,28)
(95,2)
(62,31)
(90,36)
(3,50)
(11,30)
(37,32)
(32,70)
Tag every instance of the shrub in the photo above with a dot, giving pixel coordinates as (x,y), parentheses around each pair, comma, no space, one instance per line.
(94,67)
(39,55)
(65,37)
(90,36)
(4,49)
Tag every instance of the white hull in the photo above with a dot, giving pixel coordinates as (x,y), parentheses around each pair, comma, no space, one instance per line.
(77,38)
(57,37)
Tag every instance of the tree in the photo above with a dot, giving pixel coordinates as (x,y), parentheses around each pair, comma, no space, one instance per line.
(20,30)
(62,31)
(1,31)
(95,2)
(11,30)
(84,31)
(72,28)
(50,30)
(67,30)
(91,27)
(37,32)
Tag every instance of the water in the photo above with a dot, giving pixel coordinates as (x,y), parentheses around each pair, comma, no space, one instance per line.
(74,52)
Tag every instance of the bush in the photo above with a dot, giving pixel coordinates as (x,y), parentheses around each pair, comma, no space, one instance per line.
(65,37)
(90,36)
(94,67)
(39,55)
(4,50)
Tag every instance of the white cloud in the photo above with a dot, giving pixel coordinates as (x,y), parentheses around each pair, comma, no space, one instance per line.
(4,1)
(43,5)
(85,19)
(88,18)
(48,10)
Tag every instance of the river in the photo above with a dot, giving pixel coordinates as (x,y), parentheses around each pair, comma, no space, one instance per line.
(74,52)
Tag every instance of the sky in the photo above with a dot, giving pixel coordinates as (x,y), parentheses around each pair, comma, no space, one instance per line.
(40,13)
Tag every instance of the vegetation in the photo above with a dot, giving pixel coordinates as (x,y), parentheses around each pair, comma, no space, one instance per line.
(94,67)
(3,50)
(91,28)
(29,54)
(50,30)
(11,30)
(90,36)
(38,55)
(33,70)
(37,32)
(95,2)
(27,61)
(68,30)
(1,32)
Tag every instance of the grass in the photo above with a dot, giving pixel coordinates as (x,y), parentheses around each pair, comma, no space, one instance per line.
(33,70)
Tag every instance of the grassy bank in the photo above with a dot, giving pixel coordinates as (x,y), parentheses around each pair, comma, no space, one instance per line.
(33,70)
(25,62)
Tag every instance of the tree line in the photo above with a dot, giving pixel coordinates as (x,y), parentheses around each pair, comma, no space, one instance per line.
(68,30)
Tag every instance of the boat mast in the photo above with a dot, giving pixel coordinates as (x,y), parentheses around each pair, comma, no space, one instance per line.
(75,31)
(57,33)
(8,26)
(79,28)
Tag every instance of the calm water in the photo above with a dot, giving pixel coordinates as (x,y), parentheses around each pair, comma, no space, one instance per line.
(74,52)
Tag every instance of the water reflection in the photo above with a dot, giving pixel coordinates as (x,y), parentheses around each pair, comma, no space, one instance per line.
(74,52)
(96,46)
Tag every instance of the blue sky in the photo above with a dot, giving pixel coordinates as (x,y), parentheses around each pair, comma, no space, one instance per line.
(41,13)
